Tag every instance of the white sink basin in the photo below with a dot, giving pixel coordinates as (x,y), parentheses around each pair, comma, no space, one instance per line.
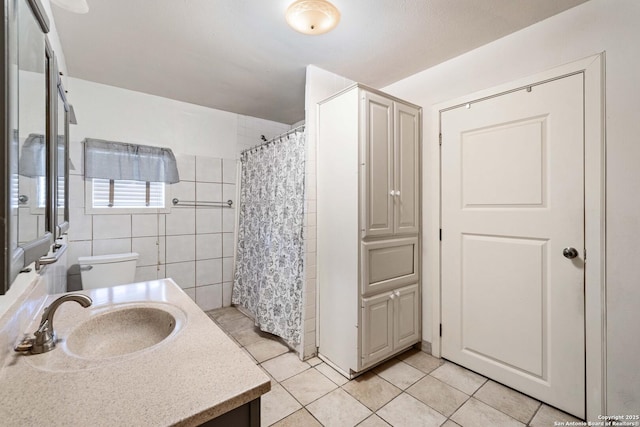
(121,331)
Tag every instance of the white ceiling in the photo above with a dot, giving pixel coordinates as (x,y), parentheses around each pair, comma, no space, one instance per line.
(240,55)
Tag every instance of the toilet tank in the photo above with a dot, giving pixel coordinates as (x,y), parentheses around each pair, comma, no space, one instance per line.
(107,270)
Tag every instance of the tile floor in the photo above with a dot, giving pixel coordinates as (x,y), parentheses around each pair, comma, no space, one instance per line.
(413,389)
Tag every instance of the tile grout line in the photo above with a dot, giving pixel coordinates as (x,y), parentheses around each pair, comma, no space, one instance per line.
(534,414)
(402,391)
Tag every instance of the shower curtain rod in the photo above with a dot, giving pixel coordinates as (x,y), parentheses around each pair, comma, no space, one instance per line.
(296,129)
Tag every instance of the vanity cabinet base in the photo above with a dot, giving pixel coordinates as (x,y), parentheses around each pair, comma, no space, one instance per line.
(247,415)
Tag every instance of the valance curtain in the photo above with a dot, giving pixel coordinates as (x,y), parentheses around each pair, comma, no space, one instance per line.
(269,274)
(124,161)
(33,156)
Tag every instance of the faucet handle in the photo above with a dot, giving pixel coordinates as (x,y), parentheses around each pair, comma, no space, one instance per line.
(25,345)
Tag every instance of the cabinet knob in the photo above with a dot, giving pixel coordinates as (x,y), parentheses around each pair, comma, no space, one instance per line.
(392,296)
(397,193)
(392,193)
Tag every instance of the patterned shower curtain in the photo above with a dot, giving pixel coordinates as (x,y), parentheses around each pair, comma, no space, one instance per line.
(269,274)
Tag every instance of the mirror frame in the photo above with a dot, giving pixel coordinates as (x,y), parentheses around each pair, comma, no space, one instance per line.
(61,228)
(6,149)
(14,260)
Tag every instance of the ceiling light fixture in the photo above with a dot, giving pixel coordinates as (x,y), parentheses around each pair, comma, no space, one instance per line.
(75,6)
(312,16)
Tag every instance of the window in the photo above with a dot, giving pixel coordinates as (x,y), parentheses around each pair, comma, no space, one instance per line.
(127,194)
(41,192)
(127,178)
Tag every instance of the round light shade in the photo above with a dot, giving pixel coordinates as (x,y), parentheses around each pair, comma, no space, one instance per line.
(75,6)
(312,16)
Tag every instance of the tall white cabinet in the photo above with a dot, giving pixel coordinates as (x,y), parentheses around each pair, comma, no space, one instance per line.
(368,225)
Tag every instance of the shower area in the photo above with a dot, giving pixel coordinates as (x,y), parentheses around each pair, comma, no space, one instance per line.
(270,272)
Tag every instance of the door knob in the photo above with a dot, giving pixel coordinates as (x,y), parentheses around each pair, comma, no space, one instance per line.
(570,253)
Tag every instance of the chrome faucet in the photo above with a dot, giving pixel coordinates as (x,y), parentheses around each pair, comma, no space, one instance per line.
(44,339)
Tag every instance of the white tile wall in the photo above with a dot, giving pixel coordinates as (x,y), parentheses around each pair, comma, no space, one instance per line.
(183,190)
(146,273)
(82,225)
(227,289)
(186,167)
(209,297)
(111,246)
(183,273)
(209,192)
(177,244)
(208,272)
(191,292)
(78,249)
(181,248)
(208,246)
(162,249)
(111,226)
(27,225)
(228,241)
(144,225)
(228,220)
(181,221)
(147,249)
(227,269)
(208,169)
(76,191)
(228,192)
(209,220)
(229,171)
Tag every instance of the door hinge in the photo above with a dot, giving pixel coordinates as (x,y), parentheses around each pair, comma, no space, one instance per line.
(440,329)
(440,137)
(440,237)
(585,254)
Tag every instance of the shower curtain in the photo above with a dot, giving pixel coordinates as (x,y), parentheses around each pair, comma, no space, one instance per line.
(269,275)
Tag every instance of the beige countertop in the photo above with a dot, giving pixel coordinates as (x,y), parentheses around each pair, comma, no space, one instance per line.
(194,375)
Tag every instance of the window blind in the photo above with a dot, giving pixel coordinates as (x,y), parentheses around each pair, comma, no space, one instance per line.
(127,194)
(41,192)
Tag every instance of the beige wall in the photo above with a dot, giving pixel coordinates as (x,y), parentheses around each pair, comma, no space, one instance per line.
(609,26)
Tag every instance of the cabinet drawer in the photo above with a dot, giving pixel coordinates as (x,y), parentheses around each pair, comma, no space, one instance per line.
(388,264)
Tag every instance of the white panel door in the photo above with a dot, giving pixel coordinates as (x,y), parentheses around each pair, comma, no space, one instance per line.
(512,200)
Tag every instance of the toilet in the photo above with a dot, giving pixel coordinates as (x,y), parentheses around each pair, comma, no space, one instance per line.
(104,271)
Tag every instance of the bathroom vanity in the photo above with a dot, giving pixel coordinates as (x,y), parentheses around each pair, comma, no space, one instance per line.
(115,365)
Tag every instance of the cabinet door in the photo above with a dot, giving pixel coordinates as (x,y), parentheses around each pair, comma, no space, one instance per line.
(407,167)
(377,156)
(406,318)
(377,328)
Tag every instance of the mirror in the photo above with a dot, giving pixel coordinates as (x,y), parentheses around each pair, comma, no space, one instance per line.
(32,128)
(61,213)
(27,75)
(13,260)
